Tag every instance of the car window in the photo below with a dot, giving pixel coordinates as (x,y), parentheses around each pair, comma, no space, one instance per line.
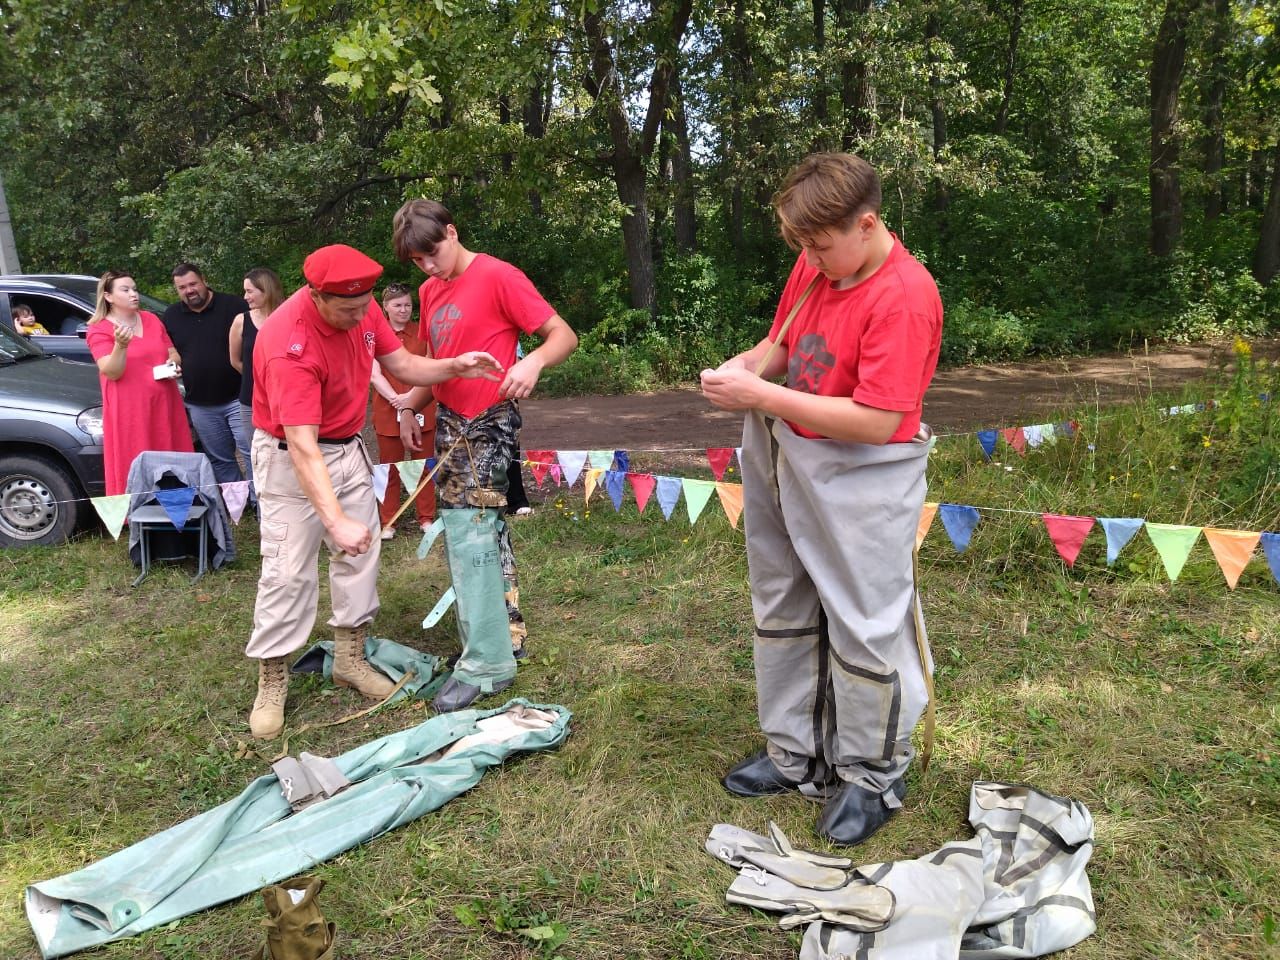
(59,316)
(15,347)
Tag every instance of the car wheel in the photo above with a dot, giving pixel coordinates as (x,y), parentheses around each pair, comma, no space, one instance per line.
(38,502)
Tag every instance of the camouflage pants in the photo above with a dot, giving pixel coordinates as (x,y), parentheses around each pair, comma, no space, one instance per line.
(474,474)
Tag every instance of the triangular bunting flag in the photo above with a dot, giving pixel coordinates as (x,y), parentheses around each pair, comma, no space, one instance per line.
(959,521)
(737,452)
(1034,434)
(1064,429)
(602,459)
(112,510)
(411,473)
(1271,550)
(1232,549)
(642,484)
(177,504)
(719,458)
(668,494)
(731,500)
(614,481)
(556,473)
(621,460)
(927,513)
(592,478)
(1067,534)
(540,462)
(696,495)
(1119,531)
(987,440)
(573,461)
(539,471)
(1015,438)
(1173,542)
(235,495)
(381,473)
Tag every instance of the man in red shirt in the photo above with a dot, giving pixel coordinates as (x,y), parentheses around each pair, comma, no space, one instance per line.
(472,301)
(834,478)
(311,369)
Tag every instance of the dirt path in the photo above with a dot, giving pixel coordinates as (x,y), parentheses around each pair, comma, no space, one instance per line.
(969,398)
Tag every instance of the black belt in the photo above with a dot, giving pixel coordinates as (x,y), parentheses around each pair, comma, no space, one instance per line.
(328,441)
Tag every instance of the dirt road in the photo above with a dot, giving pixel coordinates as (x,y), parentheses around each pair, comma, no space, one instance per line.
(969,398)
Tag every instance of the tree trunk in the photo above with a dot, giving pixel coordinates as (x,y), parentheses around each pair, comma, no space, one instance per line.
(739,69)
(1010,65)
(534,119)
(855,86)
(1213,146)
(631,150)
(820,88)
(1266,258)
(932,39)
(1166,79)
(686,218)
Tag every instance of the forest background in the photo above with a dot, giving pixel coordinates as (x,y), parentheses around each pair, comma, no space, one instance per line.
(1077,176)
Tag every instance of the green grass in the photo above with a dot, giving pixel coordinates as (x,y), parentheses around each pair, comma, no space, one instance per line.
(123,711)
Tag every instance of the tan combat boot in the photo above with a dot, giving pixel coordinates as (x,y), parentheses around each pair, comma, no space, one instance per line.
(351,669)
(267,719)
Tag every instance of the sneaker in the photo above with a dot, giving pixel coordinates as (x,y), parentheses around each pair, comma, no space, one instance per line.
(426,525)
(525,512)
(388,533)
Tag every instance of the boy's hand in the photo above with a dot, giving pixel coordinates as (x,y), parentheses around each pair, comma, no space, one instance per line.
(521,379)
(476,363)
(732,387)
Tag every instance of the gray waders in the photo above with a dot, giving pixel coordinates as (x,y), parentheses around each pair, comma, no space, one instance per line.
(830,533)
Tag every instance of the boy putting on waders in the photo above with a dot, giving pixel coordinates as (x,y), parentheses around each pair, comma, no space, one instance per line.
(467,299)
(833,470)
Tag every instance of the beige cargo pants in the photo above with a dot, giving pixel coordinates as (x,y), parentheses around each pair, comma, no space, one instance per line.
(291,531)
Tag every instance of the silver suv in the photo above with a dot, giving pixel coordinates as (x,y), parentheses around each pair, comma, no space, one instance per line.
(50,443)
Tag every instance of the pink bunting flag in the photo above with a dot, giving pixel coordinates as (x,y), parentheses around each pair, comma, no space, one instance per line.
(642,484)
(556,474)
(1016,439)
(719,458)
(1068,534)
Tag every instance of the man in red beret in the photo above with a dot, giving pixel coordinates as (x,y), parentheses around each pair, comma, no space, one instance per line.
(311,370)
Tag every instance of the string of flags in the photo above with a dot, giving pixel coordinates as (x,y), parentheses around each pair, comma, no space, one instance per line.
(1233,549)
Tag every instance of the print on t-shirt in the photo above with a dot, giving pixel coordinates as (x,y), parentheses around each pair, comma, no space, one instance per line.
(443,322)
(369,341)
(810,363)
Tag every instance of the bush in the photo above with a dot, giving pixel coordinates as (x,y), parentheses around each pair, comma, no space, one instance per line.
(975,334)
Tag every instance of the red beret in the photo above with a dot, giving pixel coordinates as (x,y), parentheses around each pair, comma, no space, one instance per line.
(341,270)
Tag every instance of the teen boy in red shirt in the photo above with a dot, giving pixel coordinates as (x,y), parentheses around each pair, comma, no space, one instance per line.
(472,301)
(834,478)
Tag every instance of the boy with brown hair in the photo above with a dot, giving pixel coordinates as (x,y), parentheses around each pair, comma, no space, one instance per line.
(833,468)
(468,299)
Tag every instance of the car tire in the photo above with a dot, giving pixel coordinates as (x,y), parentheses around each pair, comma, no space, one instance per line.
(40,504)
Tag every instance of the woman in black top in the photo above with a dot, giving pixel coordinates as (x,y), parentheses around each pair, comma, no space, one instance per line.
(263,293)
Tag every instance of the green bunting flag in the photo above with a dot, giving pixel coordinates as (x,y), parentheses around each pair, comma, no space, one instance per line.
(1173,542)
(696,495)
(112,510)
(411,473)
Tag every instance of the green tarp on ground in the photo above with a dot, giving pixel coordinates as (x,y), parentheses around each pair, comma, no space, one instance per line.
(254,840)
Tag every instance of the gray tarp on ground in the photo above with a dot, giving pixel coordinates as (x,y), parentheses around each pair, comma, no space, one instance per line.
(254,840)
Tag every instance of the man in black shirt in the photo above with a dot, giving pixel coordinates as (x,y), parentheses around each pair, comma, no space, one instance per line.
(199,325)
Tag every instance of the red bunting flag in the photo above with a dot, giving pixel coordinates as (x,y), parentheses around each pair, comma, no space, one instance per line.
(719,458)
(1067,534)
(540,462)
(1016,439)
(642,484)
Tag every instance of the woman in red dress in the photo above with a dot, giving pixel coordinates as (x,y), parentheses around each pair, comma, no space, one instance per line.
(139,411)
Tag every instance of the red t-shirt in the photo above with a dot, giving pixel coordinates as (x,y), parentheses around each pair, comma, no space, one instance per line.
(487,308)
(307,372)
(876,342)
(386,421)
